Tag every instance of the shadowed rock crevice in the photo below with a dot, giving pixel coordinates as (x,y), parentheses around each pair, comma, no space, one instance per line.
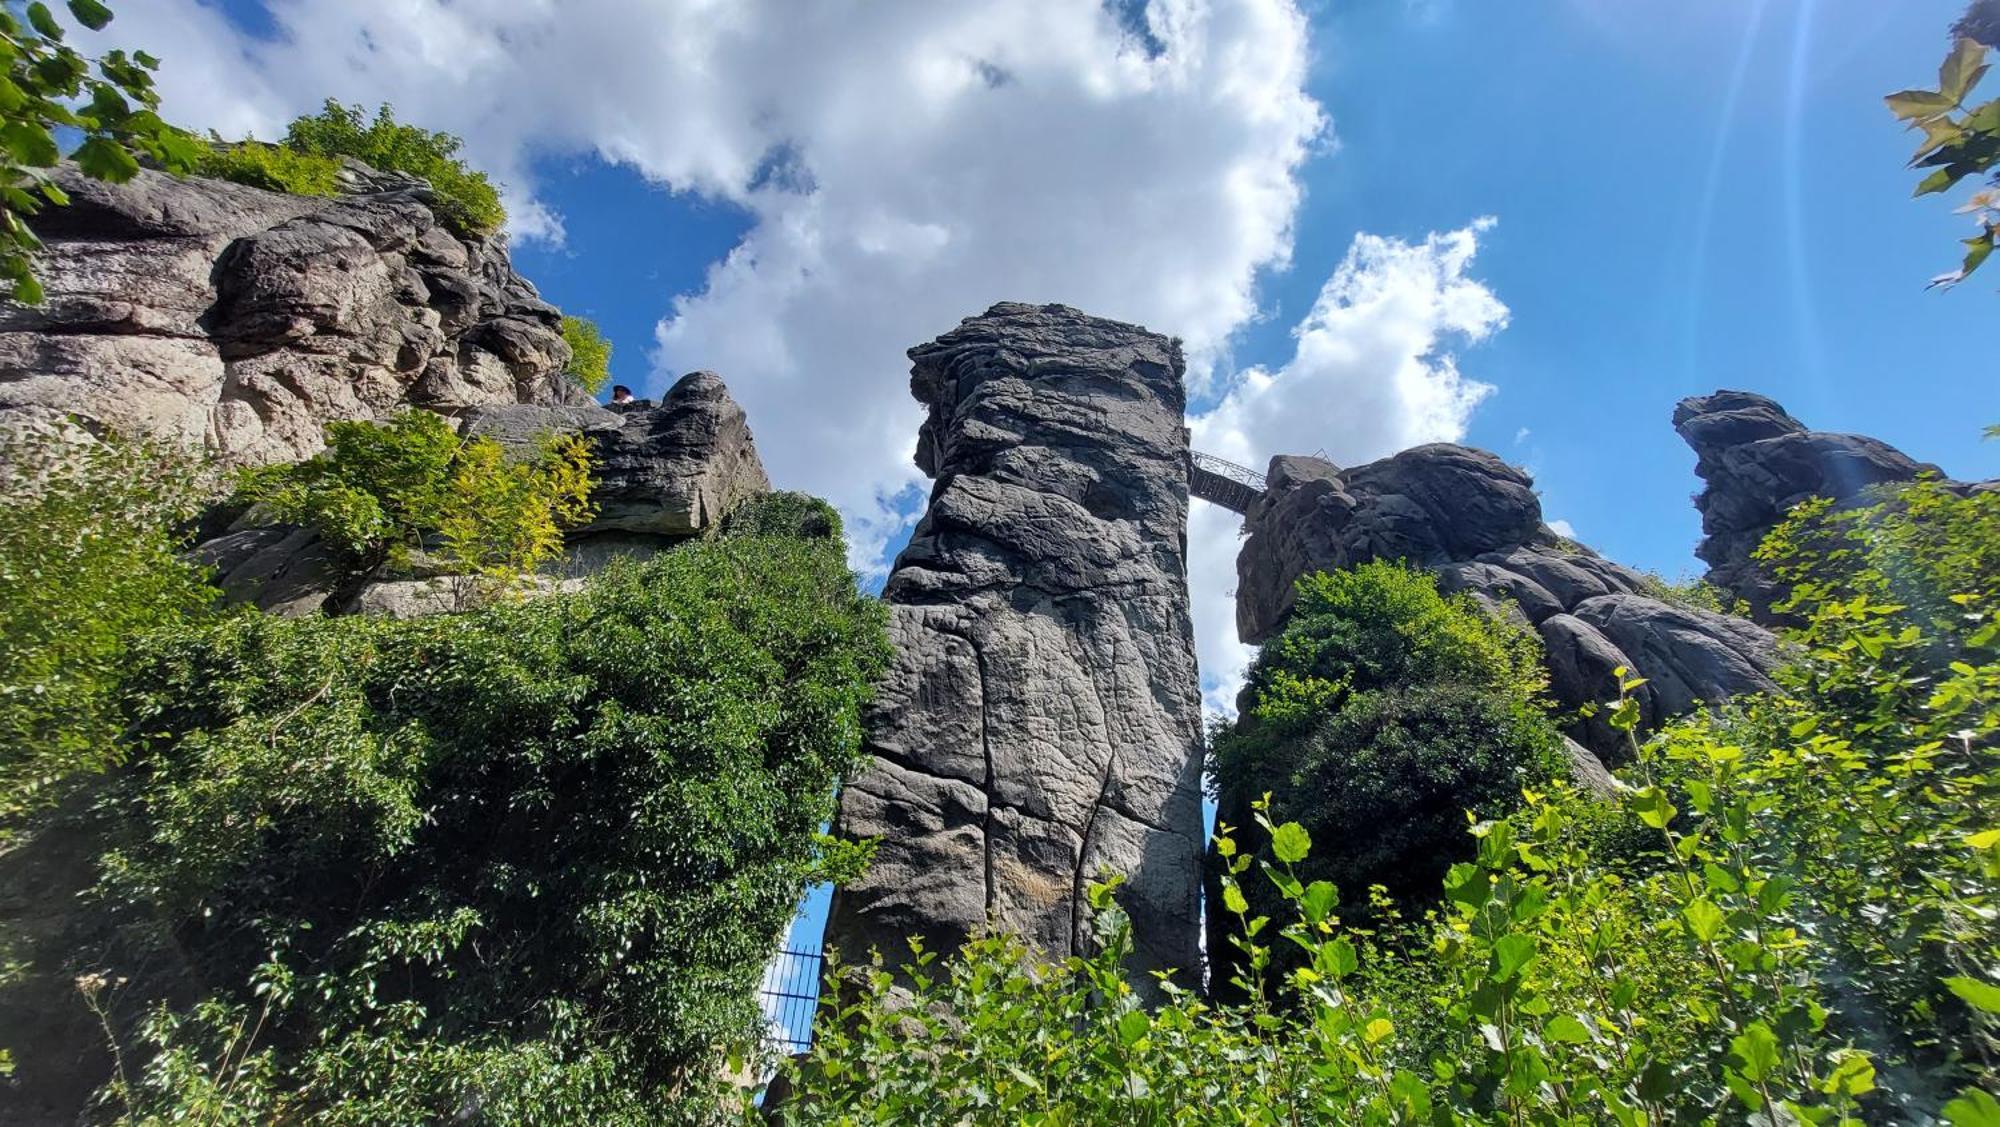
(1041,721)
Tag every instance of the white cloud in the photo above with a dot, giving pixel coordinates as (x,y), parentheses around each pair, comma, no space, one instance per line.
(1521,435)
(906,163)
(1371,374)
(1563,529)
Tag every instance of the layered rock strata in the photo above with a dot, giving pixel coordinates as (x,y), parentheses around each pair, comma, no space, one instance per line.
(199,311)
(1756,461)
(1041,721)
(1477,523)
(664,473)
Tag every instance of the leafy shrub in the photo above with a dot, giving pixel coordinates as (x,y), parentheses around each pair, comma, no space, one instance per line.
(1694,594)
(589,353)
(89,565)
(466,199)
(1377,717)
(275,168)
(380,489)
(307,163)
(1813,938)
(49,87)
(524,864)
(784,513)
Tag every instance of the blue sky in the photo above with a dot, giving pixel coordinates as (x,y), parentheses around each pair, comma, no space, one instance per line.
(1682,195)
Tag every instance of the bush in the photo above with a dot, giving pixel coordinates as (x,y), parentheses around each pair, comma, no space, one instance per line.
(380,489)
(525,864)
(1376,718)
(275,168)
(89,565)
(308,163)
(784,513)
(589,353)
(1811,938)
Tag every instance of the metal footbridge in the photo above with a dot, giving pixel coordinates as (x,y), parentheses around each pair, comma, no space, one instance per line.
(1224,483)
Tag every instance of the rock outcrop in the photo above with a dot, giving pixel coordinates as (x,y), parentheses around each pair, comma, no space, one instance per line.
(1477,523)
(200,311)
(1756,461)
(664,473)
(1041,720)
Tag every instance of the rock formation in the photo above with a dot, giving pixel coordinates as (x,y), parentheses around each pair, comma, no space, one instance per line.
(664,473)
(1477,523)
(1041,720)
(202,311)
(1757,462)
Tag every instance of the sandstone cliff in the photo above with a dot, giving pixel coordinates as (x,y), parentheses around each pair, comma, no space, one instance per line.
(201,311)
(1041,720)
(1756,461)
(1477,523)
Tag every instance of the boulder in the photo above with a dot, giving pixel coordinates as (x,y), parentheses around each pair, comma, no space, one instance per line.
(1756,461)
(1041,722)
(1475,521)
(199,311)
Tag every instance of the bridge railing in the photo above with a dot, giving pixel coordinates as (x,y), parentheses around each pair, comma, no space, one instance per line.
(1222,467)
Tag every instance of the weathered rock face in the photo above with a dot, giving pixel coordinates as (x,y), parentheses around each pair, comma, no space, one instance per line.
(1477,523)
(1757,462)
(201,311)
(1041,721)
(664,473)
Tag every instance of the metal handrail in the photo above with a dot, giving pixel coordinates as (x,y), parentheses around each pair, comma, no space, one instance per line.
(1224,468)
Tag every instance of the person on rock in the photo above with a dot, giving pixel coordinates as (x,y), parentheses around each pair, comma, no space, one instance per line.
(620,395)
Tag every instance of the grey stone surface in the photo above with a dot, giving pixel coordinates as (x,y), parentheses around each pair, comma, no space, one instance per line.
(1477,523)
(1756,461)
(1041,720)
(669,470)
(205,312)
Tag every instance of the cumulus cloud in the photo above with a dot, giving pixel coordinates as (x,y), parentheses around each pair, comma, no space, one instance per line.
(1371,373)
(906,163)
(1563,528)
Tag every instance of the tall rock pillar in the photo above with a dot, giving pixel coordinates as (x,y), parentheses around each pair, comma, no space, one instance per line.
(1041,721)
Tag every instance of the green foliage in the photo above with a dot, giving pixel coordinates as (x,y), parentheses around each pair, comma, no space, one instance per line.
(466,199)
(276,168)
(520,865)
(1380,714)
(89,565)
(1811,937)
(1694,594)
(1959,140)
(48,85)
(784,513)
(380,489)
(589,353)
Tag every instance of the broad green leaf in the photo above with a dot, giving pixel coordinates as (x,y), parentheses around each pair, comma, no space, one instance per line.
(1853,1075)
(44,21)
(1377,1030)
(1133,1026)
(1653,808)
(1342,958)
(1291,843)
(1704,919)
(1567,1030)
(1319,901)
(1941,179)
(105,159)
(1757,1048)
(90,13)
(1511,953)
(1973,1108)
(1918,104)
(1961,70)
(1986,839)
(29,144)
(1979,995)
(1232,899)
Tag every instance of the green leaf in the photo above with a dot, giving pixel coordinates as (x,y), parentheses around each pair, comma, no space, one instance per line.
(1319,900)
(94,15)
(1917,105)
(1757,1048)
(1291,843)
(1704,919)
(44,21)
(1232,899)
(1961,70)
(1133,1026)
(1377,1030)
(1974,1107)
(1343,959)
(1567,1030)
(1940,180)
(1653,808)
(105,159)
(29,143)
(1511,953)
(1853,1075)
(1977,251)
(1979,995)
